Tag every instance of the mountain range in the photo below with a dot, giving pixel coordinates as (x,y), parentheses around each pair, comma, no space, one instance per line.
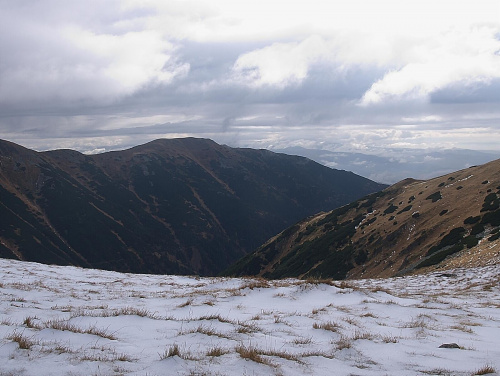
(180,206)
(392,165)
(412,226)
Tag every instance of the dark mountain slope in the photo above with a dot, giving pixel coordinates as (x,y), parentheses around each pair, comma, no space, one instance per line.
(453,220)
(171,206)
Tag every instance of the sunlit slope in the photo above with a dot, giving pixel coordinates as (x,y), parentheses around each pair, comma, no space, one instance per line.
(451,220)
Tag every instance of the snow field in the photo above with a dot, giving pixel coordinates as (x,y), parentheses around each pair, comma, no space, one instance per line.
(70,321)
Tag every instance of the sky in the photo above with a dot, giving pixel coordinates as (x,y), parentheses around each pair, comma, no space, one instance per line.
(340,75)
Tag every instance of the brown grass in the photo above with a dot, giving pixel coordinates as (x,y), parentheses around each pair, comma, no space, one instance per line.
(485,370)
(6,321)
(315,311)
(303,341)
(418,322)
(251,353)
(218,318)
(245,328)
(171,352)
(186,303)
(255,284)
(390,339)
(319,281)
(25,343)
(343,343)
(125,311)
(462,328)
(358,334)
(64,325)
(202,329)
(330,325)
(381,289)
(217,351)
(29,322)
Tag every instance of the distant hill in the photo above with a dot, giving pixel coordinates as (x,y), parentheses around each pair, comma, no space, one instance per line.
(448,221)
(183,206)
(397,164)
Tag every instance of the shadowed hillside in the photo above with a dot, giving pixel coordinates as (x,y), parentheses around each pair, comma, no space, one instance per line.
(185,206)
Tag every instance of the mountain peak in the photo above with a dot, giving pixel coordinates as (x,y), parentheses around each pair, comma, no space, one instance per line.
(185,206)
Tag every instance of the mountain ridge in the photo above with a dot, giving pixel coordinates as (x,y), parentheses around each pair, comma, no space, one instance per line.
(393,165)
(411,226)
(184,206)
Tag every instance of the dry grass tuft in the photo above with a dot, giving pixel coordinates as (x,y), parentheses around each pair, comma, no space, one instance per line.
(281,354)
(485,370)
(462,328)
(218,318)
(217,351)
(125,311)
(29,322)
(343,285)
(390,339)
(208,331)
(332,326)
(343,343)
(105,357)
(302,341)
(315,311)
(186,303)
(278,319)
(418,322)
(174,350)
(61,348)
(358,334)
(256,284)
(381,289)
(251,353)
(351,321)
(64,325)
(246,328)
(171,352)
(25,343)
(439,372)
(7,321)
(319,281)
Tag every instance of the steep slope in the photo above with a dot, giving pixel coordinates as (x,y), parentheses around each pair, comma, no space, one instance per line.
(186,206)
(449,221)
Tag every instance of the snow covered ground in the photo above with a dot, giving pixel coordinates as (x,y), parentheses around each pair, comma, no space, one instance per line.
(71,321)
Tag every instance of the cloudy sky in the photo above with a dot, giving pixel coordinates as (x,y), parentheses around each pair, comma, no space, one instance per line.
(352,74)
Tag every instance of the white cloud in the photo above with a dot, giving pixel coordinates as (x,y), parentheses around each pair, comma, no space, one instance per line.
(129,60)
(67,62)
(457,56)
(280,64)
(251,73)
(422,57)
(421,119)
(229,20)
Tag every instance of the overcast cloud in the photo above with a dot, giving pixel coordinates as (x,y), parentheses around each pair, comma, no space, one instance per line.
(357,74)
